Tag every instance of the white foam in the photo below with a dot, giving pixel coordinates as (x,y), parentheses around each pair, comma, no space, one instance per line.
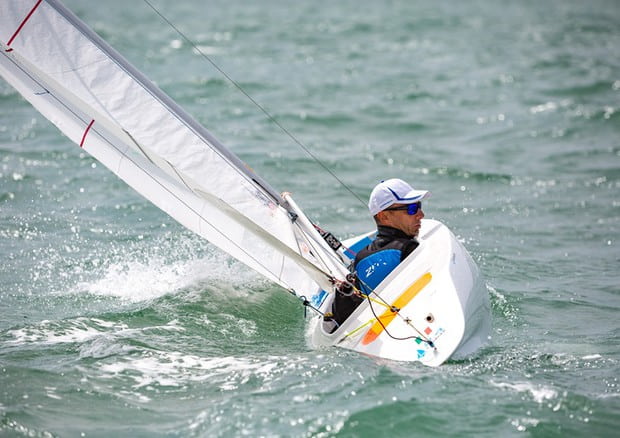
(49,332)
(50,391)
(177,369)
(523,423)
(539,393)
(592,357)
(78,331)
(138,281)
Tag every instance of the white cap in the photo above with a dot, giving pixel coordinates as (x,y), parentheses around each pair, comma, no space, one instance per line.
(394,191)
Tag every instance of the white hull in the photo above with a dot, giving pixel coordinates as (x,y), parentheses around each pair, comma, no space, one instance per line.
(441,299)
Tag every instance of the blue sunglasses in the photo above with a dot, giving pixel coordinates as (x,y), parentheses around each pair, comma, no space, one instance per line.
(411,208)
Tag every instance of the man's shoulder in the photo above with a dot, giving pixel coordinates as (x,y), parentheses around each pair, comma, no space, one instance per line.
(382,244)
(388,238)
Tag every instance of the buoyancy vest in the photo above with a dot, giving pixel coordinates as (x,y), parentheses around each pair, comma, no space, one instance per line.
(372,264)
(375,262)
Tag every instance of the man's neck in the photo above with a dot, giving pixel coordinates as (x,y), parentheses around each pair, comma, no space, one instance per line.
(389,231)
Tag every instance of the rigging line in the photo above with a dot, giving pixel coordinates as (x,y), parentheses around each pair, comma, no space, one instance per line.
(319,255)
(361,327)
(258,105)
(377,318)
(398,338)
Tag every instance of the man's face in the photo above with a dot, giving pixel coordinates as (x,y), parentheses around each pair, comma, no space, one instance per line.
(402,220)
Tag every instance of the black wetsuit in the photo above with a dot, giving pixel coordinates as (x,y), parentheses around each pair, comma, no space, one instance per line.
(376,261)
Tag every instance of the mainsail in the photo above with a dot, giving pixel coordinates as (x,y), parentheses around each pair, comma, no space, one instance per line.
(102,103)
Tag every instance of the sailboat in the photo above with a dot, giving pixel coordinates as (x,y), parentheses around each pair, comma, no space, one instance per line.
(431,308)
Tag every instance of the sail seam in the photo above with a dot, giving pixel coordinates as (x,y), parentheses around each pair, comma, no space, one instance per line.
(178,173)
(138,145)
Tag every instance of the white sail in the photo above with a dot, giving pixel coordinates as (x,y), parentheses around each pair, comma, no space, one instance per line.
(113,112)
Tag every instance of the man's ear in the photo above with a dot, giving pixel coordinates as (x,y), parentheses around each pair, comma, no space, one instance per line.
(382,218)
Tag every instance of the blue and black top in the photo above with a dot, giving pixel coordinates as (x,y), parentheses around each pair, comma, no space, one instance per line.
(372,264)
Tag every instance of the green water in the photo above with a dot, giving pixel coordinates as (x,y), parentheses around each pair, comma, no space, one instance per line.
(117,322)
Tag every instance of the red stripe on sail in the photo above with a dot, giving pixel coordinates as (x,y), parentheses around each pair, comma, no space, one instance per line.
(23,22)
(86,132)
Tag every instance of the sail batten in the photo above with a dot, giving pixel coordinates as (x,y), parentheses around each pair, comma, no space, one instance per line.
(111,110)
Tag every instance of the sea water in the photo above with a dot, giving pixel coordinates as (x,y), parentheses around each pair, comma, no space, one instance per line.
(116,321)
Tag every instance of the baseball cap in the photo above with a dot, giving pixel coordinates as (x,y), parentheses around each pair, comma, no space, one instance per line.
(393,191)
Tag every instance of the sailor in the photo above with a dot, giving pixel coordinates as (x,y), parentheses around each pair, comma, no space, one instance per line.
(397,210)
